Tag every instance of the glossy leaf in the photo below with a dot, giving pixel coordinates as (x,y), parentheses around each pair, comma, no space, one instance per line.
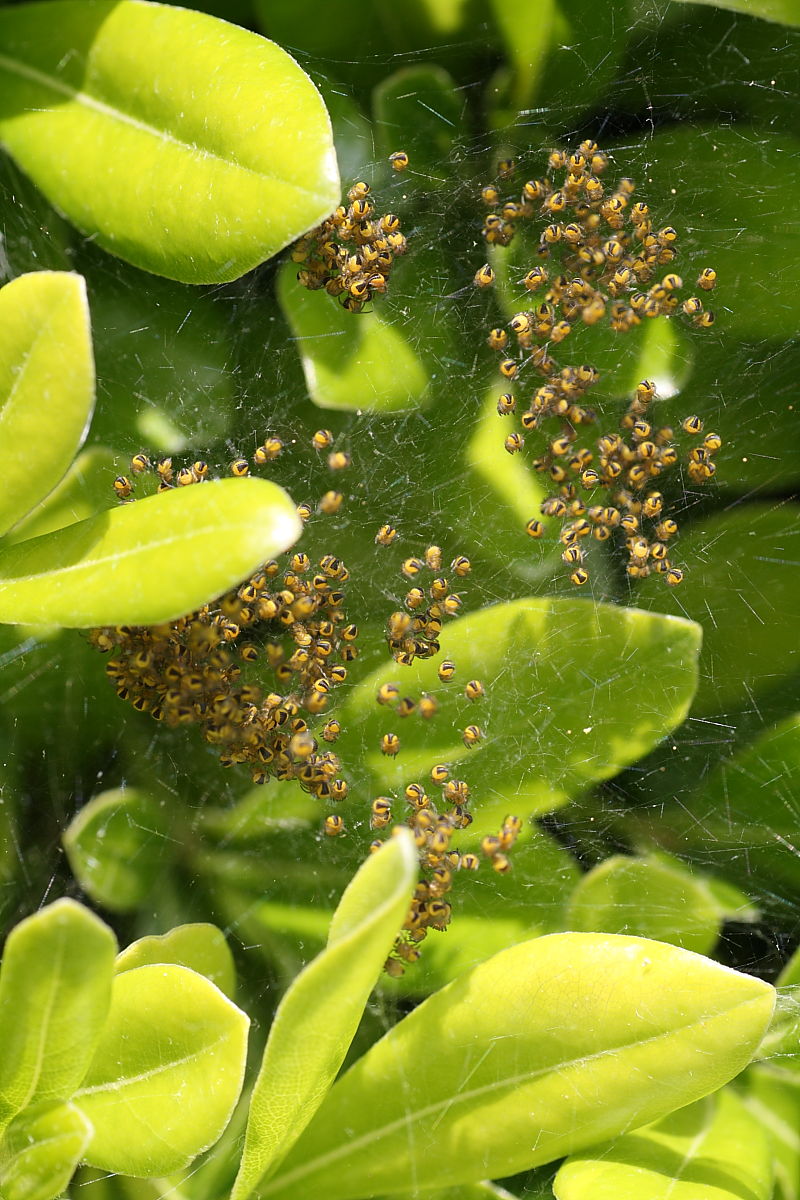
(746,393)
(150,561)
(785,12)
(46,385)
(715,165)
(509,1067)
(35,236)
(652,897)
(168,1070)
(164,359)
(506,494)
(200,947)
(100,105)
(527,37)
(318,1016)
(40,1151)
(712,1150)
(611,681)
(743,818)
(419,109)
(84,491)
(740,585)
(55,986)
(117,846)
(773,1097)
(351,362)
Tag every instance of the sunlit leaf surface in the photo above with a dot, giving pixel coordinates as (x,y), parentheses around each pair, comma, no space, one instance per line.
(55,986)
(116,109)
(712,1150)
(574,692)
(146,562)
(40,1151)
(508,1067)
(317,1018)
(168,1070)
(200,947)
(46,385)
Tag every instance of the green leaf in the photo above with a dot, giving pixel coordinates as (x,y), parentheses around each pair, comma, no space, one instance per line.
(40,1151)
(186,145)
(790,975)
(716,211)
(712,1150)
(745,393)
(168,1070)
(471,1191)
(420,110)
(774,1099)
(200,947)
(84,491)
(351,361)
(781,1044)
(785,12)
(490,912)
(527,37)
(165,377)
(742,819)
(46,385)
(651,897)
(613,680)
(754,610)
(318,1016)
(55,986)
(35,236)
(147,562)
(117,846)
(509,1067)
(506,494)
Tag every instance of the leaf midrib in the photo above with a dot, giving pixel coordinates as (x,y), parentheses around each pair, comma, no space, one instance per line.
(7,403)
(115,1086)
(186,538)
(45,1020)
(351,1146)
(25,71)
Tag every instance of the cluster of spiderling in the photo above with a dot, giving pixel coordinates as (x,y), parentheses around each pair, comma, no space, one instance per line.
(169,476)
(624,465)
(351,254)
(415,633)
(434,822)
(198,670)
(608,254)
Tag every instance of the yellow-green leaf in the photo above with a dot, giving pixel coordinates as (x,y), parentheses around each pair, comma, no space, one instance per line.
(711,1150)
(188,146)
(150,561)
(318,1016)
(55,987)
(351,362)
(511,1067)
(46,385)
(584,689)
(199,946)
(40,1150)
(167,1071)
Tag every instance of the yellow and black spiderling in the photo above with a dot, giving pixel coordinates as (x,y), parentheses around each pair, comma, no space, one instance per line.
(351,254)
(607,260)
